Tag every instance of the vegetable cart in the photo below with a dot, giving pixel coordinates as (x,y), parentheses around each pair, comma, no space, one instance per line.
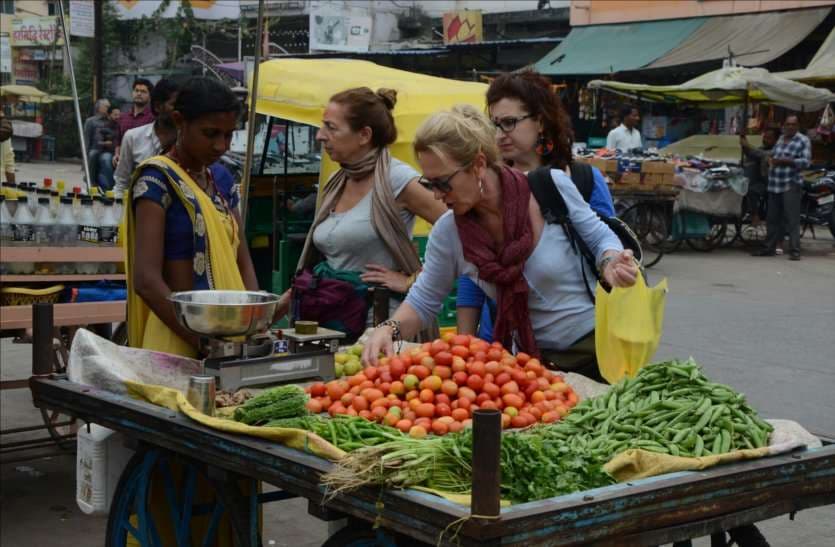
(662,509)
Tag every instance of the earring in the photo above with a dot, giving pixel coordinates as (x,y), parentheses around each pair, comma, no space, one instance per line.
(544,146)
(481,187)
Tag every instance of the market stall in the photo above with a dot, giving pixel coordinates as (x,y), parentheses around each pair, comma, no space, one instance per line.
(662,457)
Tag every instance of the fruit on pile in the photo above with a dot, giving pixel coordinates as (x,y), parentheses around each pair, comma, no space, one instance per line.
(436,387)
(348,363)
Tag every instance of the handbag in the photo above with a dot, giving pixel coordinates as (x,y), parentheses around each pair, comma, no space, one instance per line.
(333,303)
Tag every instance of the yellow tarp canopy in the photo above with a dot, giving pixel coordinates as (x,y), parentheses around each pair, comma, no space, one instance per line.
(299,89)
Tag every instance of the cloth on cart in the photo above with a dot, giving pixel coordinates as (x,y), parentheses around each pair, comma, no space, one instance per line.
(720,203)
(173,399)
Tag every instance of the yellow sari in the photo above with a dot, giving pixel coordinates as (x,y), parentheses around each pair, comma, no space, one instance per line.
(216,252)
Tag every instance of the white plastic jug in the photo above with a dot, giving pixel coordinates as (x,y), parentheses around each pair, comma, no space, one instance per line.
(100,459)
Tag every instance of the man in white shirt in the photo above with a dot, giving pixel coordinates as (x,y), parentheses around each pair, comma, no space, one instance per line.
(146,141)
(626,136)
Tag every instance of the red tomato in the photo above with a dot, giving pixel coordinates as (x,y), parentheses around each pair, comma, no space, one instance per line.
(535,412)
(439,428)
(522,358)
(461,351)
(460,378)
(506,421)
(461,340)
(425,410)
(404,425)
(365,384)
(420,371)
(424,422)
(427,395)
(449,387)
(493,367)
(397,367)
(510,387)
(466,393)
(335,390)
(318,389)
(550,416)
(477,368)
(491,389)
(475,382)
(463,402)
(359,403)
(502,379)
(378,413)
(494,354)
(459,364)
(511,399)
(326,402)
(518,421)
(518,375)
(444,373)
(351,411)
(529,418)
(537,396)
(437,347)
(391,419)
(412,394)
(481,398)
(455,427)
(372,394)
(444,359)
(371,373)
(488,404)
(460,414)
(442,410)
(314,406)
(397,388)
(428,362)
(442,398)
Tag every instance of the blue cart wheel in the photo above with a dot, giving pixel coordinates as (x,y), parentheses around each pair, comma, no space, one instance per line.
(167,520)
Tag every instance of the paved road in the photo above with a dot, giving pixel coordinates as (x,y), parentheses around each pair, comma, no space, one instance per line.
(762,325)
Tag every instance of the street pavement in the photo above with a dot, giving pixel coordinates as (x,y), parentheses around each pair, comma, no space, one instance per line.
(762,325)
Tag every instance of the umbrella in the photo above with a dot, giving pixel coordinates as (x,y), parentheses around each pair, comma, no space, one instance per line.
(725,87)
(29,94)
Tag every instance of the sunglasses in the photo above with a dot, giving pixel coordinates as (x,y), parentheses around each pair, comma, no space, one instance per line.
(442,185)
(507,125)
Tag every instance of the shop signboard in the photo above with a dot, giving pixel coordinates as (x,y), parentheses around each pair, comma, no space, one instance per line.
(462,27)
(82,19)
(344,29)
(5,54)
(26,72)
(36,31)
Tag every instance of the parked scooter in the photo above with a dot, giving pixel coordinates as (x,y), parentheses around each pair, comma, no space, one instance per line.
(818,204)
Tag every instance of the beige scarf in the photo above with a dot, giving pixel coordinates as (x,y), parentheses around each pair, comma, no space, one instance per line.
(385,217)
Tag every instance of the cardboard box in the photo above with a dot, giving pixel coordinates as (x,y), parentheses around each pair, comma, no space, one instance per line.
(630,179)
(660,167)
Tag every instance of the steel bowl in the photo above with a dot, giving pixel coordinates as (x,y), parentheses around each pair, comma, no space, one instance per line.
(224,314)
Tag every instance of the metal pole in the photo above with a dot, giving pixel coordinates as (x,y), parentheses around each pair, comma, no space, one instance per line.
(253,101)
(98,51)
(487,473)
(240,39)
(75,95)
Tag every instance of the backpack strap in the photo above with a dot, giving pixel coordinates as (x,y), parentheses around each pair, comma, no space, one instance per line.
(555,211)
(583,178)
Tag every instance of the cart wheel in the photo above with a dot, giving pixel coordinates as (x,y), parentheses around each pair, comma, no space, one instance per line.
(361,534)
(650,225)
(714,238)
(137,518)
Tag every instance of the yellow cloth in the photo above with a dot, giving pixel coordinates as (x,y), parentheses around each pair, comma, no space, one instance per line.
(145,329)
(6,158)
(636,464)
(173,399)
(627,327)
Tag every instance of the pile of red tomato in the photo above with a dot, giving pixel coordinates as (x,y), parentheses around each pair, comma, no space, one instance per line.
(436,387)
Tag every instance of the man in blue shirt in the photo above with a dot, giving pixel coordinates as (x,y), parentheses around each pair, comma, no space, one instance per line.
(791,154)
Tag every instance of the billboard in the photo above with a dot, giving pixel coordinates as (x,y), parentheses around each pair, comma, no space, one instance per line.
(203,9)
(462,27)
(339,29)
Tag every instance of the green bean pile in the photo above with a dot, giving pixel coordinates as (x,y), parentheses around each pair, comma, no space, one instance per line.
(669,408)
(345,432)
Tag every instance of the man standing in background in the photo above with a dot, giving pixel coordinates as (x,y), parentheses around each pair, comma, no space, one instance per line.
(791,154)
(756,169)
(140,114)
(91,126)
(626,136)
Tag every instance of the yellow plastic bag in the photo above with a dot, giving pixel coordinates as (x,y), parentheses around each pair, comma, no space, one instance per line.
(628,325)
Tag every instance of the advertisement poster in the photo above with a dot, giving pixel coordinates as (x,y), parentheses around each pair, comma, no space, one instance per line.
(82,19)
(334,29)
(203,9)
(36,31)
(462,27)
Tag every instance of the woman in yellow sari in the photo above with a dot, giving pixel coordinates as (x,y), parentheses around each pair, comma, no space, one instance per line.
(184,233)
(183,229)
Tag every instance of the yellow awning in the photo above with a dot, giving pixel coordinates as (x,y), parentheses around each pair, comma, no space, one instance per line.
(29,94)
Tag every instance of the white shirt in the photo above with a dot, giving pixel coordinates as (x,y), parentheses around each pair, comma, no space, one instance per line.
(621,138)
(561,311)
(138,144)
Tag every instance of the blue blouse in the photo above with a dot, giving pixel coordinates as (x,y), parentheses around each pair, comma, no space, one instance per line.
(153,185)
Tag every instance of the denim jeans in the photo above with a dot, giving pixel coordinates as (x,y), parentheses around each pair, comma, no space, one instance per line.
(104,180)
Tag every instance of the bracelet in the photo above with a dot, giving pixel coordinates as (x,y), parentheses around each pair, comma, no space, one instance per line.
(395,328)
(605,262)
(411,280)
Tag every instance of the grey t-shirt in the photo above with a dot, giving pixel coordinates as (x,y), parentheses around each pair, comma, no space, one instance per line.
(348,241)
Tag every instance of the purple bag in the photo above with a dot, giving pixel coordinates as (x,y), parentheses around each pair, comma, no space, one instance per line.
(333,303)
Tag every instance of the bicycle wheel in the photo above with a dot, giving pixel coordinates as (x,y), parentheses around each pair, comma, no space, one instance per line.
(714,238)
(650,225)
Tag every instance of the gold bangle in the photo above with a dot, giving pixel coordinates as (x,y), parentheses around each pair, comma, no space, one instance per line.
(411,280)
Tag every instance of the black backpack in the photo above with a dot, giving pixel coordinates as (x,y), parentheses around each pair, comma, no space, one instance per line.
(555,211)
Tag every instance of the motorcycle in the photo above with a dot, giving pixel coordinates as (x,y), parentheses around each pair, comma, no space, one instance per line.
(818,204)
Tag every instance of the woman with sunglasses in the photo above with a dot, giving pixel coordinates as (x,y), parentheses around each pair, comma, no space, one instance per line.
(495,234)
(532,130)
(362,229)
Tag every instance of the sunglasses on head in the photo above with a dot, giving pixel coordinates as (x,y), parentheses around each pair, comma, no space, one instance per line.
(441,184)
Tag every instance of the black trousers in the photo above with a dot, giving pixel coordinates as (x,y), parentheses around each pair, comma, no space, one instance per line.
(784,216)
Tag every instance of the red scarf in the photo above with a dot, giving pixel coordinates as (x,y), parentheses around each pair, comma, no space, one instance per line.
(504,268)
